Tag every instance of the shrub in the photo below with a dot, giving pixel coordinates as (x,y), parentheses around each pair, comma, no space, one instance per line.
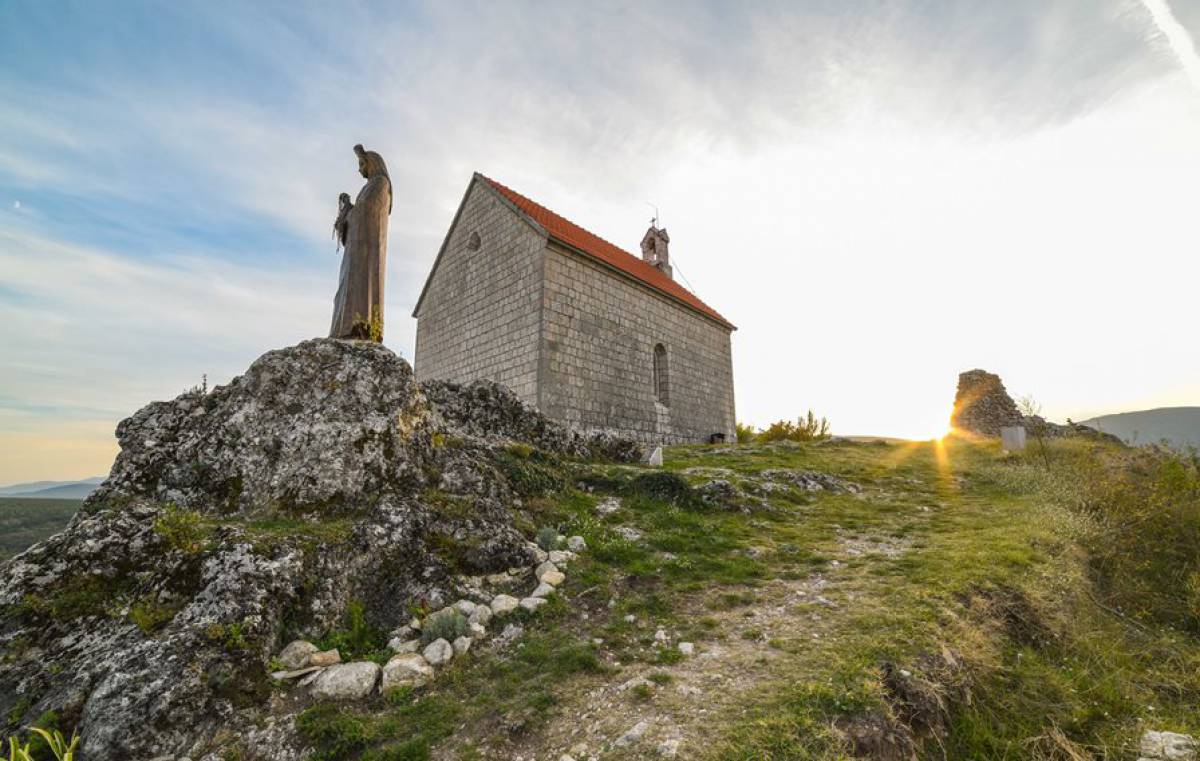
(1145,543)
(665,487)
(745,433)
(547,538)
(806,428)
(182,529)
(357,639)
(448,624)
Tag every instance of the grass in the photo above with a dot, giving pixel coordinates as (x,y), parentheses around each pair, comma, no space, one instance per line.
(971,570)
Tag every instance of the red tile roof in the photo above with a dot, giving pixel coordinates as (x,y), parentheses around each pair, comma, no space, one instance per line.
(593,245)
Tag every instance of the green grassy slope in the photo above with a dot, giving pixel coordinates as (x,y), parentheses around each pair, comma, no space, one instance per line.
(26,521)
(950,609)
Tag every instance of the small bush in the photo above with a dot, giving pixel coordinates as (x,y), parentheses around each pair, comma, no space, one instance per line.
(357,639)
(1145,545)
(665,487)
(448,624)
(745,433)
(547,538)
(807,428)
(182,529)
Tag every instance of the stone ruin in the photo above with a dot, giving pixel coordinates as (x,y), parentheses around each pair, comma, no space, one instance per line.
(982,406)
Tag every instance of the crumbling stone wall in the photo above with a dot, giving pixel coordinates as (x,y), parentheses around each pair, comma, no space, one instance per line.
(982,405)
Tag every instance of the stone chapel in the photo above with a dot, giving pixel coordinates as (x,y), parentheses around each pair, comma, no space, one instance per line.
(589,334)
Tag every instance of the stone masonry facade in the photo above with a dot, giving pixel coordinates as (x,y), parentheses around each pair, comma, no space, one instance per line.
(481,316)
(571,334)
(599,334)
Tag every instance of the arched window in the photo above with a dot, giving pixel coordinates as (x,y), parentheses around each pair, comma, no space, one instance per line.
(661,376)
(473,243)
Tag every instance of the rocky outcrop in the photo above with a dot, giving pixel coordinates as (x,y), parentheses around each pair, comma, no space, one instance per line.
(489,411)
(237,521)
(981,405)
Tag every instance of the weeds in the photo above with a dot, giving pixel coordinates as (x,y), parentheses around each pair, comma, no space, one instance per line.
(547,538)
(357,639)
(448,624)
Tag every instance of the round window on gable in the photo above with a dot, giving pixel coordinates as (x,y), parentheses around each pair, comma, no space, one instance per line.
(474,242)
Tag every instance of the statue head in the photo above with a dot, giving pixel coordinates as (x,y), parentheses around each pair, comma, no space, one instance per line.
(370,163)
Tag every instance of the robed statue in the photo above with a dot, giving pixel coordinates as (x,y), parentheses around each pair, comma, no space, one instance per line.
(361,233)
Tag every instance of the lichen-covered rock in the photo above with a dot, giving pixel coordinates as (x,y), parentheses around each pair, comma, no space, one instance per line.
(346,681)
(490,410)
(1168,746)
(296,654)
(438,652)
(532,603)
(406,670)
(325,423)
(503,604)
(237,521)
(808,481)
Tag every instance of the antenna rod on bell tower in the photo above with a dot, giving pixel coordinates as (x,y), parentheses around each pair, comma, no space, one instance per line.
(654,219)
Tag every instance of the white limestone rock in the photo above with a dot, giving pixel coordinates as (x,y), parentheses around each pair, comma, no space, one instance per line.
(1168,746)
(294,673)
(632,735)
(324,658)
(482,615)
(543,590)
(561,557)
(539,554)
(438,652)
(295,655)
(346,681)
(406,670)
(576,544)
(533,603)
(404,646)
(687,648)
(466,607)
(608,506)
(504,604)
(477,631)
(462,645)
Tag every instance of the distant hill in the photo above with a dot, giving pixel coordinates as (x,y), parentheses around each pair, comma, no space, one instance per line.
(52,489)
(1179,426)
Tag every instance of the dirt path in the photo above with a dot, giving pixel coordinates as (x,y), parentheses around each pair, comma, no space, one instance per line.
(675,710)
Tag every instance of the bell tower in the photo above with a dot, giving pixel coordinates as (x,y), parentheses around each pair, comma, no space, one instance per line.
(654,249)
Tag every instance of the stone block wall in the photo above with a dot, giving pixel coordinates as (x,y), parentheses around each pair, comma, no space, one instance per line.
(599,330)
(480,317)
(982,406)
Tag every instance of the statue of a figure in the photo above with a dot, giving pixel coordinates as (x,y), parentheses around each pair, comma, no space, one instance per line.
(361,230)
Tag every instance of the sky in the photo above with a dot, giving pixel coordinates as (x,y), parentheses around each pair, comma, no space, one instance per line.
(879,194)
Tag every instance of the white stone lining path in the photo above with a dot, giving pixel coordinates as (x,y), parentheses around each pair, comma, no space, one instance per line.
(326,677)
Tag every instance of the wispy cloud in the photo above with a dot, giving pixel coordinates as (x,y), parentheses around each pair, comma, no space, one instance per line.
(1177,37)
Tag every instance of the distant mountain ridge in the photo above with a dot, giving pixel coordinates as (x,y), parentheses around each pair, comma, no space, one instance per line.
(1178,426)
(53,489)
